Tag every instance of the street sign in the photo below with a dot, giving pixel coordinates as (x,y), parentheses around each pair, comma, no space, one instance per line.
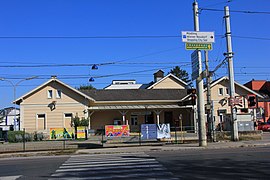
(238,100)
(198,37)
(195,65)
(199,46)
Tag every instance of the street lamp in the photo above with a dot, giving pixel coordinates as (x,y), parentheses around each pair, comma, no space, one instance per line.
(14,85)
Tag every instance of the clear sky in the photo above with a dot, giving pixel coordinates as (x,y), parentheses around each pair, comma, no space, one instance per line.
(138,36)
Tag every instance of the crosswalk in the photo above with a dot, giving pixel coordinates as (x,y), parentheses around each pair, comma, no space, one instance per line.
(112,166)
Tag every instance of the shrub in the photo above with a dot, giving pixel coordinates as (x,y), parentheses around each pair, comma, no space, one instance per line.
(38,136)
(17,136)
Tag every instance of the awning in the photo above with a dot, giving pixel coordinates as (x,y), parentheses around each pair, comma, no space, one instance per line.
(128,107)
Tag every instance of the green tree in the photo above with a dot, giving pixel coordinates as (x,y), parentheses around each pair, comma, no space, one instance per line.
(86,87)
(181,74)
(76,122)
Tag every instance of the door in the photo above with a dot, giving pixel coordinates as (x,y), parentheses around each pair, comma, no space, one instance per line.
(168,117)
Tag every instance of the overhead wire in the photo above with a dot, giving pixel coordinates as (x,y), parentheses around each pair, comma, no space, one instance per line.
(237,11)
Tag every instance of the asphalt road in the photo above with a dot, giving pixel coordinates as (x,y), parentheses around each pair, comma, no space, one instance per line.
(234,163)
(32,168)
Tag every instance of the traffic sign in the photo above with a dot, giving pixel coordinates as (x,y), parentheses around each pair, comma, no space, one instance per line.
(238,100)
(198,46)
(198,37)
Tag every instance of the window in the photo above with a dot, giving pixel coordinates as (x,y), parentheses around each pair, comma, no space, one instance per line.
(220,91)
(41,122)
(134,120)
(67,120)
(50,94)
(68,115)
(227,91)
(58,93)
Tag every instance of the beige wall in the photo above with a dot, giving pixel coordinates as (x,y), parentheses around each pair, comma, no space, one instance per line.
(169,83)
(38,102)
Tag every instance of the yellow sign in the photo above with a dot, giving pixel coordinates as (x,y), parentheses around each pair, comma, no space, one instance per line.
(199,46)
(81,132)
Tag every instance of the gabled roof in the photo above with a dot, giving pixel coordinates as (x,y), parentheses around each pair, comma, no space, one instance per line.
(217,81)
(18,101)
(168,76)
(137,94)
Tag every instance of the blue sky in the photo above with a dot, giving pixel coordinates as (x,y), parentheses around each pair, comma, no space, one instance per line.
(121,18)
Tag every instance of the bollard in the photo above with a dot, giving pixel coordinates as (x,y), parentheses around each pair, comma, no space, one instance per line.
(140,138)
(24,139)
(64,144)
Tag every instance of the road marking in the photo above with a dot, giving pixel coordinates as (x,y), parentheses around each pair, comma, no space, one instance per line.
(112,166)
(10,177)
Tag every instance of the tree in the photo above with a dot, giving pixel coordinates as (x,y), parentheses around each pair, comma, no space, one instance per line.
(86,87)
(76,122)
(181,74)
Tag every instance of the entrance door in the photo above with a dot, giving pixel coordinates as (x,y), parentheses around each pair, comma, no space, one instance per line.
(149,119)
(168,117)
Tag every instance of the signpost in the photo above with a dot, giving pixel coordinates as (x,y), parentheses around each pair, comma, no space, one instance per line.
(201,46)
(198,37)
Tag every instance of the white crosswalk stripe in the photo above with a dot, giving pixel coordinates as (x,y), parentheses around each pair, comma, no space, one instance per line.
(112,166)
(10,177)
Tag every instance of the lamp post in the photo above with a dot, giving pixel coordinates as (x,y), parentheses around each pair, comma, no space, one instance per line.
(14,85)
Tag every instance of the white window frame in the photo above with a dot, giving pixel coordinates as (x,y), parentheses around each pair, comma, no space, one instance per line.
(50,94)
(227,91)
(45,120)
(220,91)
(58,94)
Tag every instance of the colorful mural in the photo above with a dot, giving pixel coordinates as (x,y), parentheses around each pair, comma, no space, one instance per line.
(61,133)
(117,130)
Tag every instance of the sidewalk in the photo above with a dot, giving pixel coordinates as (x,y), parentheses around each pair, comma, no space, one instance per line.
(145,147)
(174,147)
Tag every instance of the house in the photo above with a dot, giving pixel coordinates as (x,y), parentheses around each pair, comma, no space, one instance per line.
(9,116)
(54,103)
(160,82)
(220,96)
(262,87)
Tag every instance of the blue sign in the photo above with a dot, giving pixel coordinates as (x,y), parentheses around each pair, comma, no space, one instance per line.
(148,131)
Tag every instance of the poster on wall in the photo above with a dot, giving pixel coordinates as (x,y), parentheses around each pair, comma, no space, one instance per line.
(61,133)
(148,131)
(117,131)
(163,131)
(81,132)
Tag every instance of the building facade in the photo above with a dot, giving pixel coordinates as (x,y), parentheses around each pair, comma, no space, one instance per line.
(54,103)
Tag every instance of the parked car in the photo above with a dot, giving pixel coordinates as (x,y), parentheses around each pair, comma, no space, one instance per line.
(264,126)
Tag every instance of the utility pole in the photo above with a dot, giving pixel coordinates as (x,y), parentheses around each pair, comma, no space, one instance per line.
(229,56)
(199,86)
(208,98)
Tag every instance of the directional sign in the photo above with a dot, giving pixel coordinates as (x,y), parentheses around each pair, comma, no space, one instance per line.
(199,46)
(198,37)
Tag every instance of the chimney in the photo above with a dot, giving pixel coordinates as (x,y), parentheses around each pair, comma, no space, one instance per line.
(53,76)
(158,75)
